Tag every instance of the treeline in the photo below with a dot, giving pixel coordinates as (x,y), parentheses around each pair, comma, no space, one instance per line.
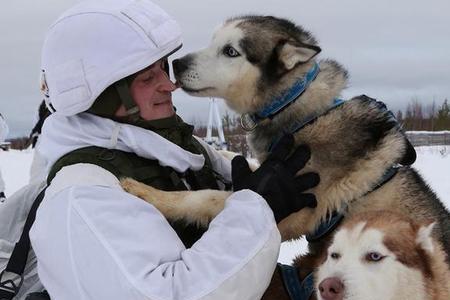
(431,117)
(20,143)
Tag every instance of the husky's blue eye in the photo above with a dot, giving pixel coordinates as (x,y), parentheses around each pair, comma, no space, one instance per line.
(374,257)
(230,51)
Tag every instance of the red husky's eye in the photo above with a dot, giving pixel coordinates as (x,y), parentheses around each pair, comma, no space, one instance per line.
(335,255)
(374,257)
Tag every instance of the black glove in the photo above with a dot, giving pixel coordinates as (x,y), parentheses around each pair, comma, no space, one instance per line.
(275,179)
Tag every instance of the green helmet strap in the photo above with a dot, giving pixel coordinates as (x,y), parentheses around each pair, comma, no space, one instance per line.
(107,103)
(124,94)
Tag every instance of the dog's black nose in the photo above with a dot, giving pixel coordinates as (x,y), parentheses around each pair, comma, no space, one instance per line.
(179,66)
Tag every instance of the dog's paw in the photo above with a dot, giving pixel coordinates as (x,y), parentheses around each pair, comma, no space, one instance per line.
(128,184)
(135,187)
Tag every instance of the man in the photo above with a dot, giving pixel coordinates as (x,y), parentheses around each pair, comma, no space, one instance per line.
(105,74)
(3,134)
(43,113)
(37,164)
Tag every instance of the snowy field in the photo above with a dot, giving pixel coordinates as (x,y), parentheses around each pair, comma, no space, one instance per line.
(432,162)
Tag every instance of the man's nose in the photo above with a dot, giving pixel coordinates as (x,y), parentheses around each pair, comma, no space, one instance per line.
(165,84)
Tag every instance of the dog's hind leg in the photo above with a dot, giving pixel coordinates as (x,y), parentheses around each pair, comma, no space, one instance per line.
(194,207)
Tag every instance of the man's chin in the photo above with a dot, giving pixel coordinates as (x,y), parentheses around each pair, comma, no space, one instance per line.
(166,110)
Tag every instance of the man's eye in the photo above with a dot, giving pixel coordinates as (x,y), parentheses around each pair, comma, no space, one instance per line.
(230,52)
(148,77)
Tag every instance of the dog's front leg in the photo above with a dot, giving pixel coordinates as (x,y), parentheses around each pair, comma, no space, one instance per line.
(194,207)
(297,224)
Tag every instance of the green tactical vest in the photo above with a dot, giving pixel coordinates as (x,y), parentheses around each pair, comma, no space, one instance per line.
(126,164)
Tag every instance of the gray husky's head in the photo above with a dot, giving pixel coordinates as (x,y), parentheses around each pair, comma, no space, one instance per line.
(250,60)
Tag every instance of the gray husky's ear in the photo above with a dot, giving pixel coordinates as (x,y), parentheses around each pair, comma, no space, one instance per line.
(292,53)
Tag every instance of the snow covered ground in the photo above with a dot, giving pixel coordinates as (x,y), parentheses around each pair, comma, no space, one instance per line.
(432,162)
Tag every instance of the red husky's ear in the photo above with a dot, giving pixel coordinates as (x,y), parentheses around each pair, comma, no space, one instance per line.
(424,238)
(292,53)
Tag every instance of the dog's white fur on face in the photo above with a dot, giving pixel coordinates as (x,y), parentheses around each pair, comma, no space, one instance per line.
(214,73)
(365,279)
(368,260)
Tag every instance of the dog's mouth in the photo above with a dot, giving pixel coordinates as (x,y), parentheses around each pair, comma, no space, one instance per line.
(189,90)
(192,90)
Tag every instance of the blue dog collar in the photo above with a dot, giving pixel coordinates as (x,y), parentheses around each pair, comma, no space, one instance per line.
(250,121)
(295,289)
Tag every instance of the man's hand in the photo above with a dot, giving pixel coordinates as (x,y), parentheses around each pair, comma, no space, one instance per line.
(275,179)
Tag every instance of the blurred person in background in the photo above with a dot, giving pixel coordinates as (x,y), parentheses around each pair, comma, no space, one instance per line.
(3,134)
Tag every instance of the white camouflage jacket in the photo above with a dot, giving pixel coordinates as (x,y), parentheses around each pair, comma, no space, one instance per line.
(94,241)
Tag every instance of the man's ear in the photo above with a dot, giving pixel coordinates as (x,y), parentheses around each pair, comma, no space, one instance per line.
(292,53)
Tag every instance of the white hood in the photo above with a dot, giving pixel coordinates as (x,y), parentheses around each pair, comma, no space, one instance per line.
(61,135)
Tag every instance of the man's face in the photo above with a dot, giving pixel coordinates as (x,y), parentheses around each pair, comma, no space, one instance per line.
(152,93)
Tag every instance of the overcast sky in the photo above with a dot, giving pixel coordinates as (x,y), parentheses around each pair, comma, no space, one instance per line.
(395,50)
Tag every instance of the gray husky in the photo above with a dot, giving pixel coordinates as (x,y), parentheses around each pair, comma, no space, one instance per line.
(266,70)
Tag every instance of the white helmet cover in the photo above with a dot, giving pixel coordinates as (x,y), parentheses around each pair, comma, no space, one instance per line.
(98,42)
